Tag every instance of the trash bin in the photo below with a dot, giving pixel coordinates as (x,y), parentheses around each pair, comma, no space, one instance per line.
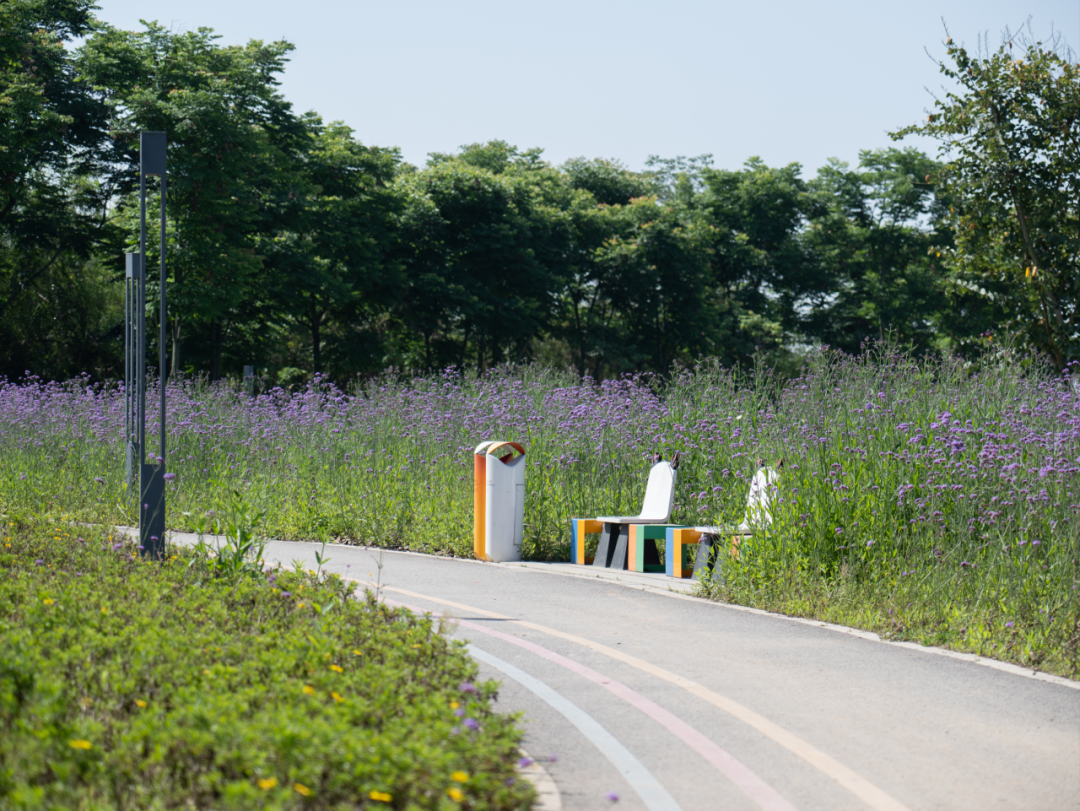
(498,501)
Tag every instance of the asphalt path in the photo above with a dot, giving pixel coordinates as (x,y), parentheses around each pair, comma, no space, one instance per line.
(671,702)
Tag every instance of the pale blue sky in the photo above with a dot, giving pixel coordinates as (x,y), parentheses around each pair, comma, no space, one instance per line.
(789,81)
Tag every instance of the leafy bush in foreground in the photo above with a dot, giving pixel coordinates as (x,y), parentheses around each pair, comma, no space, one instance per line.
(130,684)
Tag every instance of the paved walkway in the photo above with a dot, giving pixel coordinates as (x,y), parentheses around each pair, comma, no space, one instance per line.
(629,688)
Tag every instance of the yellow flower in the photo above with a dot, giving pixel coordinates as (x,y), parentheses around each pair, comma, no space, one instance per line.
(455,794)
(79,744)
(268,783)
(104,610)
(460,777)
(300,788)
(47,601)
(139,702)
(299,605)
(416,646)
(336,697)
(454,705)
(381,796)
(337,668)
(358,653)
(309,690)
(206,672)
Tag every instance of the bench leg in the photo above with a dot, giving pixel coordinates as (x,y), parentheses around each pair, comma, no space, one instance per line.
(651,552)
(611,553)
(707,559)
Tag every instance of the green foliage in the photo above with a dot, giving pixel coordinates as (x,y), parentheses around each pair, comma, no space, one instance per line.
(53,188)
(1010,135)
(297,248)
(872,235)
(127,683)
(233,141)
(608,181)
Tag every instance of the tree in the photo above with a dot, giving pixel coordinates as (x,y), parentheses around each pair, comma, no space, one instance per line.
(234,149)
(608,181)
(1010,138)
(53,195)
(331,260)
(871,240)
(477,246)
(759,265)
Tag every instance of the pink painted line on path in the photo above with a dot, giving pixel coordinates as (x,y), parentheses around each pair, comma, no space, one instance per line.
(757,789)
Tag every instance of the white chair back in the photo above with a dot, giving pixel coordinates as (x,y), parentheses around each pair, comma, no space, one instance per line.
(757,502)
(659,493)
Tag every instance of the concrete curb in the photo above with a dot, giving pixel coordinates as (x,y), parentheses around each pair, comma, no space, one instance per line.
(548,797)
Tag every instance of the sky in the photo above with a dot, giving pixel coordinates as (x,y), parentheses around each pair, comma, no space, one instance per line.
(783,80)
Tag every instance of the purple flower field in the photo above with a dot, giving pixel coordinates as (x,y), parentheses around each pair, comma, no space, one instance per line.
(913,475)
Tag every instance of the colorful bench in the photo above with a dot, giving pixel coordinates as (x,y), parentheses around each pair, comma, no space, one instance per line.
(613,549)
(678,541)
(642,555)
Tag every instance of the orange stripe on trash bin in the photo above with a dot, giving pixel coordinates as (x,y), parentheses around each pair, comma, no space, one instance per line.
(479,503)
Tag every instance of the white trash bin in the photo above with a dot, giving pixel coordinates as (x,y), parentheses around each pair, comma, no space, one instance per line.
(499,501)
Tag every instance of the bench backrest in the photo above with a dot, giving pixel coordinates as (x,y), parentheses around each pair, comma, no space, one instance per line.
(757,502)
(660,492)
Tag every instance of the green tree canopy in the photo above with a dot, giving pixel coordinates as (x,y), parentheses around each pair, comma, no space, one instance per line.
(1010,139)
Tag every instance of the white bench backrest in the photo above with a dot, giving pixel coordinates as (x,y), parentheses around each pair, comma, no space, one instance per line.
(757,502)
(660,492)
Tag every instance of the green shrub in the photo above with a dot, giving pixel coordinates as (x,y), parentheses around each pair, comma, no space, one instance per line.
(133,684)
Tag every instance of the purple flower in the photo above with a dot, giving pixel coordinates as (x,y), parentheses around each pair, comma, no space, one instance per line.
(455,730)
(553,758)
(169,477)
(99,480)
(510,781)
(286,594)
(459,712)
(611,795)
(39,562)
(1009,624)
(839,530)
(116,547)
(467,687)
(525,762)
(471,723)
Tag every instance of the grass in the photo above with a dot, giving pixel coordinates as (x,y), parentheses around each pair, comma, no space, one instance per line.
(931,499)
(132,684)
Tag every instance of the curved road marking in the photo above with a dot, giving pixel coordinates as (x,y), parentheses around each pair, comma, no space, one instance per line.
(654,795)
(737,772)
(853,782)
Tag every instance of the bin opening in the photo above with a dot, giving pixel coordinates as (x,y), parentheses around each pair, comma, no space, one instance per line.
(504,452)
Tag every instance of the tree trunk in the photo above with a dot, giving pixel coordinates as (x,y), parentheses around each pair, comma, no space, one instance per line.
(215,351)
(177,322)
(316,343)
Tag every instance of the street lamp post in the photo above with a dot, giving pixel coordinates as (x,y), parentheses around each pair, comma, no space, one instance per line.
(151,476)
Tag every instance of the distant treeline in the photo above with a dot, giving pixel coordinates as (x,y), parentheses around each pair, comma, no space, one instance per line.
(296,248)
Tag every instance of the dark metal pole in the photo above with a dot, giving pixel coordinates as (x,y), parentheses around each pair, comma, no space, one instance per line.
(151,477)
(140,408)
(161,339)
